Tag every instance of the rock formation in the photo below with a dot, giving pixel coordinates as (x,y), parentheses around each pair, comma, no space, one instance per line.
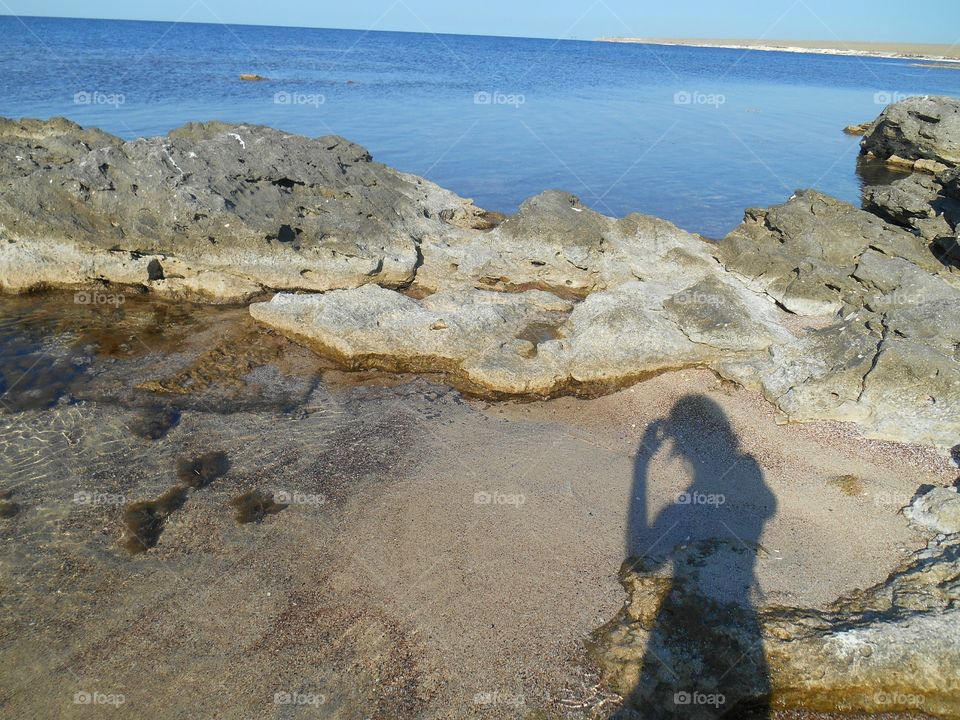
(555,299)
(918,128)
(211,211)
(891,648)
(831,311)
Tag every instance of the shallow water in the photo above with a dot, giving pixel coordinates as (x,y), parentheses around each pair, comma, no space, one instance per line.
(694,135)
(199,515)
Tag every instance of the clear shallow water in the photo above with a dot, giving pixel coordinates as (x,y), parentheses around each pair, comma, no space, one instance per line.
(597,119)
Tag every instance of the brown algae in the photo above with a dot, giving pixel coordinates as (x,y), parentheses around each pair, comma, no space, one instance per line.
(254,505)
(145,519)
(203,470)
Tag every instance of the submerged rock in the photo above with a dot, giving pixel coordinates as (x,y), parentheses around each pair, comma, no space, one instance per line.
(918,128)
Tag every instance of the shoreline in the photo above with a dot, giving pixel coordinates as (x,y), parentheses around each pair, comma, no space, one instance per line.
(801,47)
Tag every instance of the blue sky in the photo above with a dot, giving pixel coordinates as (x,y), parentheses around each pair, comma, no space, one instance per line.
(932,21)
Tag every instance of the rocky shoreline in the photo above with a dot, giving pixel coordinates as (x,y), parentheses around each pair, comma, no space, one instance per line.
(832,312)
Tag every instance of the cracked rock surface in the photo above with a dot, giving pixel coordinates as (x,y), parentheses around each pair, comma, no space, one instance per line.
(833,312)
(885,649)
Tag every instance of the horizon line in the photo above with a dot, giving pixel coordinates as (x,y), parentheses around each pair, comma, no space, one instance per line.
(598,38)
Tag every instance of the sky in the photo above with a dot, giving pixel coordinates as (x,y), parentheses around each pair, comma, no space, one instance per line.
(917,21)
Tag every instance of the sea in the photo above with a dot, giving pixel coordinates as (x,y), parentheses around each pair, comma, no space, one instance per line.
(693,135)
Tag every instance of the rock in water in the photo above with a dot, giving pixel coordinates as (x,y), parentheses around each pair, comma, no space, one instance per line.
(860,129)
(918,128)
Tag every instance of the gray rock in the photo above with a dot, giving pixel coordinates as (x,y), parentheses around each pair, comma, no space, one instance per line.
(919,128)
(890,648)
(803,253)
(221,209)
(532,342)
(937,510)
(917,202)
(554,243)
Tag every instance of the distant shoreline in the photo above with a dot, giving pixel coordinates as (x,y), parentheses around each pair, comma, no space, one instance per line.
(898,51)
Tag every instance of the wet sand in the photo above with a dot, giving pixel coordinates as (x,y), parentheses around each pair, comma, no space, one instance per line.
(438,556)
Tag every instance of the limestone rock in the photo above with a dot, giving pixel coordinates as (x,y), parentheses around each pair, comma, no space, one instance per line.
(917,202)
(860,129)
(918,128)
(532,342)
(554,243)
(885,649)
(937,510)
(256,206)
(802,253)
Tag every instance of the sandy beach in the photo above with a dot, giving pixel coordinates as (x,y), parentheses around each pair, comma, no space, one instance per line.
(943,53)
(441,556)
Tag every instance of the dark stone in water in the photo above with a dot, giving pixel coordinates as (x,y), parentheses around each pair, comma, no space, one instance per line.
(155,421)
(254,505)
(145,519)
(7,508)
(201,471)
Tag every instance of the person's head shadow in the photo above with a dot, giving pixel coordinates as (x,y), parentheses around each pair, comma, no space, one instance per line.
(703,656)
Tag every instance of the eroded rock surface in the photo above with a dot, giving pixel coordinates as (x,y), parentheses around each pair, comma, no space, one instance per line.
(886,649)
(212,210)
(937,510)
(918,128)
(554,299)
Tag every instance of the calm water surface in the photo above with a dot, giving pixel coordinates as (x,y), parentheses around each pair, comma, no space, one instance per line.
(690,134)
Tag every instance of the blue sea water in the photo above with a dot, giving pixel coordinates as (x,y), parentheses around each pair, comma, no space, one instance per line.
(689,134)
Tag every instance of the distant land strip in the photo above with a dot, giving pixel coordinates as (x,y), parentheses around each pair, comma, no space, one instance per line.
(945,53)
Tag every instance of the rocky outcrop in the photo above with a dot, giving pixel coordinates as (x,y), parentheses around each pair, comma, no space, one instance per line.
(918,128)
(554,299)
(213,210)
(803,253)
(938,510)
(885,649)
(533,342)
(923,204)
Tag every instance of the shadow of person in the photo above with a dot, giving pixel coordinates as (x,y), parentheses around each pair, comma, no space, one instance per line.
(703,656)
